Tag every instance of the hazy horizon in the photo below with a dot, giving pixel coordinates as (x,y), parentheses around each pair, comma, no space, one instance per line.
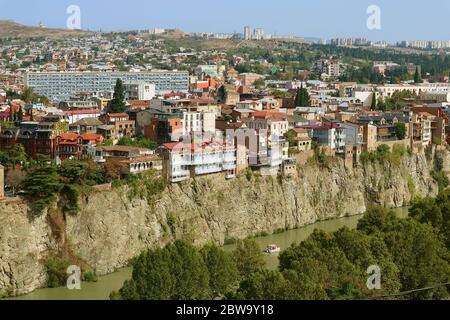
(400,20)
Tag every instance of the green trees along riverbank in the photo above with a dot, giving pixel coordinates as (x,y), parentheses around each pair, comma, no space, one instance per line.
(412,253)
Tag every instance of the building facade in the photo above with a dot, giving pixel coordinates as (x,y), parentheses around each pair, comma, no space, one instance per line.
(139,90)
(62,85)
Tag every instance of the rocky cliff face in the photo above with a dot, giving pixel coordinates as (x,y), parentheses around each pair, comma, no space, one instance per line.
(113,227)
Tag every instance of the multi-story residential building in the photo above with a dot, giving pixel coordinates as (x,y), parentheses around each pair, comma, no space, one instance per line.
(421,132)
(249,104)
(207,71)
(349,42)
(198,122)
(77,115)
(62,85)
(139,90)
(439,124)
(276,123)
(248,79)
(247,33)
(86,125)
(36,139)
(388,90)
(71,145)
(164,128)
(78,105)
(183,105)
(328,67)
(228,95)
(184,161)
(386,124)
(369,137)
(330,134)
(310,113)
(354,133)
(302,139)
(129,160)
(122,125)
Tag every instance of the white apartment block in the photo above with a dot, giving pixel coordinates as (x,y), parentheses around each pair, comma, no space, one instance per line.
(139,90)
(389,89)
(196,122)
(329,67)
(277,127)
(62,85)
(184,161)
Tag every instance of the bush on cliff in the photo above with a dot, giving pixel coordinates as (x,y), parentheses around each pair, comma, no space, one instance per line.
(41,187)
(44,183)
(56,271)
(383,153)
(438,173)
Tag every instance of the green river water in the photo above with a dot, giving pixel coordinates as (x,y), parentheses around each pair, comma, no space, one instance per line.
(100,290)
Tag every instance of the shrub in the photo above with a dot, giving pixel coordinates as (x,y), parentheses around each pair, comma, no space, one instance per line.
(70,195)
(89,277)
(56,269)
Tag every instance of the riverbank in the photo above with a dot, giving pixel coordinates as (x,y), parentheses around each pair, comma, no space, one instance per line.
(113,282)
(115,226)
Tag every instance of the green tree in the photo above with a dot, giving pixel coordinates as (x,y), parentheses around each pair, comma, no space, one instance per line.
(417,76)
(28,95)
(152,277)
(13,155)
(117,104)
(56,269)
(435,212)
(176,272)
(320,259)
(302,98)
(263,285)
(248,257)
(20,114)
(41,187)
(415,248)
(138,141)
(11,113)
(222,270)
(260,83)
(291,136)
(73,171)
(374,101)
(400,130)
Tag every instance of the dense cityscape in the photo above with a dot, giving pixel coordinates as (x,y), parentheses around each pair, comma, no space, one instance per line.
(185,142)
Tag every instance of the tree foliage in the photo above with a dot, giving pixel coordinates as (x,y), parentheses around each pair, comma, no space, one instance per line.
(302,98)
(41,187)
(117,104)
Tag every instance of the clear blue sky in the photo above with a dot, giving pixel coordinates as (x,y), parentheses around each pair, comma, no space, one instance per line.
(401,19)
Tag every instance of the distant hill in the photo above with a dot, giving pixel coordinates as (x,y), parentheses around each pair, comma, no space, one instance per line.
(12,29)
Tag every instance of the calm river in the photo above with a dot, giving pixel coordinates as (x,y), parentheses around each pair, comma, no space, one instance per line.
(101,289)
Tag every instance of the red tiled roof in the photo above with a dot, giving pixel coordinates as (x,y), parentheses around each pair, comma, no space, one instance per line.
(68,136)
(92,136)
(176,145)
(117,115)
(77,112)
(269,115)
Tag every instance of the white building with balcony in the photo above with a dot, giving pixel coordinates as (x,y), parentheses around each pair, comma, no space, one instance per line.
(184,161)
